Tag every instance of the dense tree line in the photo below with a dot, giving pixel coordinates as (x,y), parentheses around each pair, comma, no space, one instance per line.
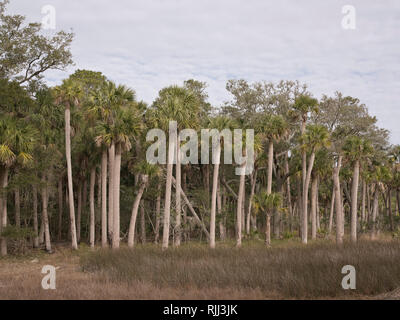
(73,159)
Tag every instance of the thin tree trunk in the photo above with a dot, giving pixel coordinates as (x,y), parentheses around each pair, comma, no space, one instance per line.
(253,181)
(389,196)
(79,214)
(338,202)
(304,234)
(111,160)
(69,175)
(270,164)
(331,211)
(354,202)
(116,186)
(35,217)
(363,201)
(3,209)
(17,208)
(104,199)
(45,216)
(60,207)
(239,207)
(217,150)
(268,229)
(375,208)
(314,208)
(178,207)
(158,214)
(135,209)
(91,200)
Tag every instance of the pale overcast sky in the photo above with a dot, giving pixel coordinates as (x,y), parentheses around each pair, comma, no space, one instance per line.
(149,44)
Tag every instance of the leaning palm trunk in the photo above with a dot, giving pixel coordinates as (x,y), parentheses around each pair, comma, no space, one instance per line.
(35,218)
(214,194)
(375,208)
(354,195)
(338,202)
(69,175)
(135,209)
(168,187)
(91,201)
(116,186)
(45,216)
(3,209)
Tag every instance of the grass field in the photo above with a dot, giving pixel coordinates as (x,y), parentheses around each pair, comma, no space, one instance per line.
(288,270)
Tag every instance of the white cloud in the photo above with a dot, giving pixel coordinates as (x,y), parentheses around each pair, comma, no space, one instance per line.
(149,44)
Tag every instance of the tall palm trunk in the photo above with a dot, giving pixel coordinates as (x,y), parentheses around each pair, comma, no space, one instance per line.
(116,185)
(268,229)
(178,207)
(214,194)
(3,209)
(363,201)
(168,187)
(354,202)
(304,233)
(91,202)
(270,164)
(331,211)
(35,217)
(111,162)
(104,199)
(338,202)
(60,207)
(45,215)
(69,175)
(240,206)
(314,208)
(158,214)
(253,181)
(17,208)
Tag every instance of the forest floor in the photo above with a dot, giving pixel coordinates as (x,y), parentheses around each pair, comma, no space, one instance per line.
(288,270)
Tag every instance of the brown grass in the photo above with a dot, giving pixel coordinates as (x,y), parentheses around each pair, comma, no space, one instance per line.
(288,270)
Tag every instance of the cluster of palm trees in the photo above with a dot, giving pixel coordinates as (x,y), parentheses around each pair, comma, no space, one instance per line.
(89,134)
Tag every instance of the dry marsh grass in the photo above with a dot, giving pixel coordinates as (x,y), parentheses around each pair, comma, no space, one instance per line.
(286,271)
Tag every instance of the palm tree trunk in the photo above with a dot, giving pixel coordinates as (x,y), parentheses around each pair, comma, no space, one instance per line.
(239,207)
(178,207)
(60,207)
(168,187)
(375,208)
(314,208)
(3,209)
(270,164)
(331,211)
(338,202)
(104,199)
(35,218)
(389,196)
(79,214)
(304,233)
(268,229)
(363,201)
(45,216)
(214,194)
(354,202)
(135,209)
(17,208)
(142,223)
(253,181)
(158,214)
(69,175)
(91,201)
(111,161)
(116,186)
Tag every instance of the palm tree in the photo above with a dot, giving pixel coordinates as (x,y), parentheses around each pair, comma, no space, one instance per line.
(355,149)
(68,95)
(267,202)
(174,104)
(146,171)
(315,138)
(219,123)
